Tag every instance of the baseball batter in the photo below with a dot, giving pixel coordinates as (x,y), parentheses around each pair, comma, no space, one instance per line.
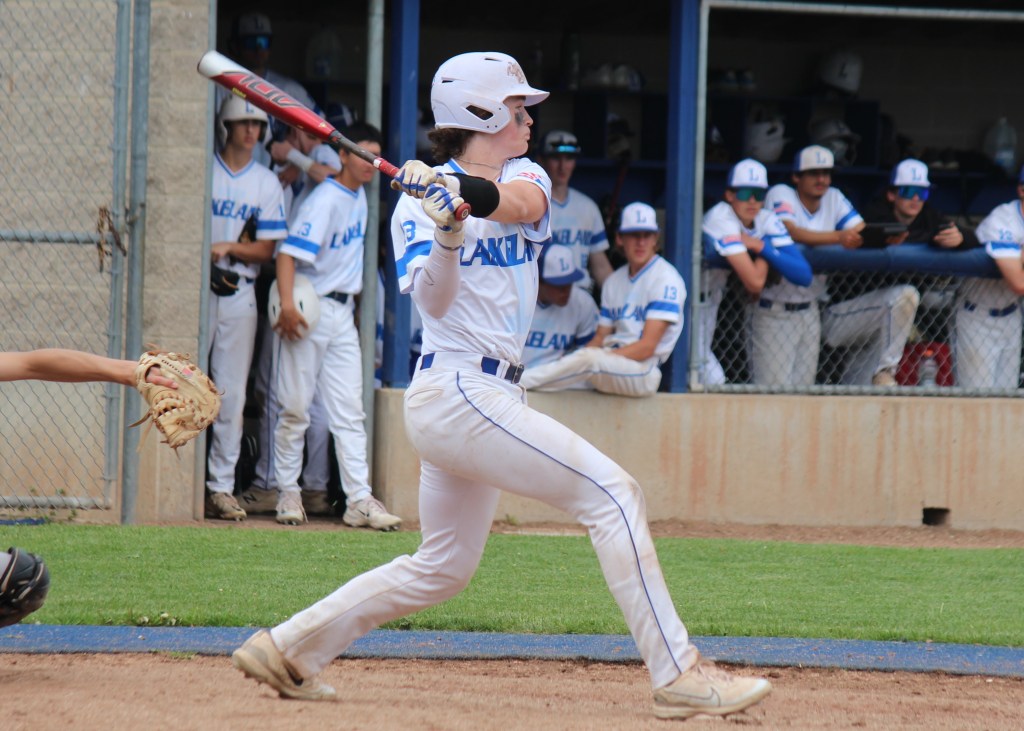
(987,333)
(641,318)
(566,316)
(241,188)
(475,283)
(325,243)
(783,348)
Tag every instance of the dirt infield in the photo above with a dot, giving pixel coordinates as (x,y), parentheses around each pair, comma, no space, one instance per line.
(161,691)
(180,691)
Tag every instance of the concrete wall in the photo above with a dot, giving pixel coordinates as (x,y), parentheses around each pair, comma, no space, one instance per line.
(798,460)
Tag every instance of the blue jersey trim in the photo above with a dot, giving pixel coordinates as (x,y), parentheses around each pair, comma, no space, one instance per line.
(672,307)
(844,219)
(302,244)
(421,248)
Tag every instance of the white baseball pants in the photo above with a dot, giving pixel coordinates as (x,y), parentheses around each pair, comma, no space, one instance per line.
(475,436)
(875,327)
(232,328)
(602,368)
(709,370)
(327,360)
(783,345)
(986,349)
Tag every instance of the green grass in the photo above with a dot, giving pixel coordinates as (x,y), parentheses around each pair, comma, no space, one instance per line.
(539,584)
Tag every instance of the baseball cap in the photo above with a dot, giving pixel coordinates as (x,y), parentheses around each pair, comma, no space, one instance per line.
(910,172)
(814,157)
(560,142)
(747,173)
(558,267)
(252,24)
(638,217)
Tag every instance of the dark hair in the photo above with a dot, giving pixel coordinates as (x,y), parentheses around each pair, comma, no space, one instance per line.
(448,142)
(363,132)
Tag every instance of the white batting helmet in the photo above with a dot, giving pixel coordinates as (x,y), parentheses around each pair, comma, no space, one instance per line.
(469,91)
(306,300)
(841,69)
(234,109)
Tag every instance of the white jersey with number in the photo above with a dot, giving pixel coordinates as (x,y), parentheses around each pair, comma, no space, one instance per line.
(557,330)
(1002,234)
(835,213)
(577,223)
(238,195)
(499,278)
(657,292)
(722,232)
(327,237)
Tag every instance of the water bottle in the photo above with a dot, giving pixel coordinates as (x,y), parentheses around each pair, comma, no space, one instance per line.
(1001,146)
(928,369)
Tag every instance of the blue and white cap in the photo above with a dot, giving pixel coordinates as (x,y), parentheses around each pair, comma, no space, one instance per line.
(910,172)
(637,217)
(747,173)
(558,266)
(814,157)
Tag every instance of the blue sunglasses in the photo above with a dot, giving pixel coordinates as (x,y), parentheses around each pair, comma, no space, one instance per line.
(909,191)
(745,194)
(256,43)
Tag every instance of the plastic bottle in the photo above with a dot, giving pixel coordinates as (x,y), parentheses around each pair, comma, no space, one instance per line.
(928,369)
(1001,145)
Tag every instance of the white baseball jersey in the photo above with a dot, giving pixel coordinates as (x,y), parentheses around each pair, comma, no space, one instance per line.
(557,330)
(835,213)
(499,277)
(327,238)
(236,196)
(296,193)
(1001,233)
(577,223)
(657,292)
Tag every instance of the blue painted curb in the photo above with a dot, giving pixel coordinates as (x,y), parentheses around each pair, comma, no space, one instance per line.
(758,651)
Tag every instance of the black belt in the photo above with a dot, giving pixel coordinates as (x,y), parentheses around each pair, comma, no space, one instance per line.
(1008,310)
(788,306)
(491,366)
(341,297)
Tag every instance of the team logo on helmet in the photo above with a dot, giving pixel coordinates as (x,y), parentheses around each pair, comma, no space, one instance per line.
(516,72)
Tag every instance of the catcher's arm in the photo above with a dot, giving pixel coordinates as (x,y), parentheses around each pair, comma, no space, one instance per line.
(72,366)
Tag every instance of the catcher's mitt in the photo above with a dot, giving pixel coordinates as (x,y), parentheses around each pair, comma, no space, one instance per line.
(23,586)
(180,414)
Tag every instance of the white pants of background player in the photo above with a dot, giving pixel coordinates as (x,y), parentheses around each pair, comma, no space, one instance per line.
(232,323)
(783,345)
(709,370)
(316,473)
(475,437)
(987,349)
(327,360)
(601,368)
(875,327)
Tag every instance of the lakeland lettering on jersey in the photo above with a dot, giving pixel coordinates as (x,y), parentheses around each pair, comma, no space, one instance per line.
(626,312)
(556,341)
(346,237)
(565,236)
(503,251)
(226,209)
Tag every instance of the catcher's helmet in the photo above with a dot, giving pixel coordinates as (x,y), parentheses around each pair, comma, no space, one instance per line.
(469,91)
(234,109)
(306,300)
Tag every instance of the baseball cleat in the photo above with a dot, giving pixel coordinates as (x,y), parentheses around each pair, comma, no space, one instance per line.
(260,660)
(289,508)
(256,500)
(316,502)
(706,689)
(370,512)
(224,506)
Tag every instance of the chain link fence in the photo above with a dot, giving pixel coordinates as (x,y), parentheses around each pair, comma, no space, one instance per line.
(871,332)
(57,69)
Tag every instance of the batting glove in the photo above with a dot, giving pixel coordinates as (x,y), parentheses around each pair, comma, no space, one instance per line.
(440,204)
(414,178)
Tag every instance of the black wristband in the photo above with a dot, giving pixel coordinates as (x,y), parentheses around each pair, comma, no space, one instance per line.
(481,195)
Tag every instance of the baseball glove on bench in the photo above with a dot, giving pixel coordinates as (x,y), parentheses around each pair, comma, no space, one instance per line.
(182,413)
(24,583)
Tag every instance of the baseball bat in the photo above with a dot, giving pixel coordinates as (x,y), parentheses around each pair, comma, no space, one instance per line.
(261,93)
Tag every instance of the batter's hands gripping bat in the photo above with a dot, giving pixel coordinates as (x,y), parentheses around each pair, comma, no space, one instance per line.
(261,93)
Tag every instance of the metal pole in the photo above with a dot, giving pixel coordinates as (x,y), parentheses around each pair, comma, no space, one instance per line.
(115,339)
(878,11)
(371,249)
(136,246)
